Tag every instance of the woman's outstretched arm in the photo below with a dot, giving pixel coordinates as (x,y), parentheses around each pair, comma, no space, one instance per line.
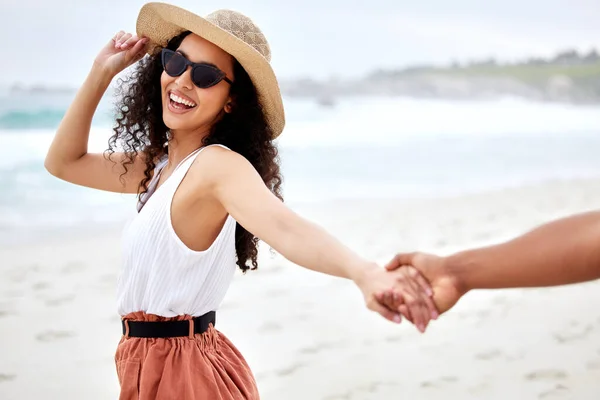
(239,188)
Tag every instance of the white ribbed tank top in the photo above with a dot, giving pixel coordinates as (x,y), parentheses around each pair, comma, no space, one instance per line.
(160,274)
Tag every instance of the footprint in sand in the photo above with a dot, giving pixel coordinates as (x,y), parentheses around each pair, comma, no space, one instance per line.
(367,391)
(40,286)
(451,379)
(573,333)
(483,235)
(7,377)
(559,392)
(593,365)
(393,339)
(51,336)
(546,374)
(372,387)
(480,388)
(57,301)
(317,348)
(492,217)
(440,382)
(310,350)
(289,370)
(271,270)
(489,355)
(516,356)
(268,327)
(72,267)
(343,396)
(20,273)
(441,243)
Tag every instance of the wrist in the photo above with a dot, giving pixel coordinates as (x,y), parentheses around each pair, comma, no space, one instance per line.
(459,267)
(100,76)
(360,272)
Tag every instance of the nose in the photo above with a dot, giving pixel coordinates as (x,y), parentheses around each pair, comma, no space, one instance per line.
(185,79)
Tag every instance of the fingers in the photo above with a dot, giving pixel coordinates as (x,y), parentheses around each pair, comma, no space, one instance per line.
(388,300)
(392,300)
(119,38)
(431,308)
(134,46)
(385,312)
(420,280)
(414,299)
(409,298)
(417,310)
(403,309)
(131,42)
(139,47)
(422,299)
(127,41)
(123,39)
(118,35)
(425,286)
(123,42)
(399,260)
(398,304)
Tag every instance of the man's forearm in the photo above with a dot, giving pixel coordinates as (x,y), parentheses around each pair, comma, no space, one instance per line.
(560,252)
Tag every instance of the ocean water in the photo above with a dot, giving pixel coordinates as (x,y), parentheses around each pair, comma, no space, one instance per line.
(359,148)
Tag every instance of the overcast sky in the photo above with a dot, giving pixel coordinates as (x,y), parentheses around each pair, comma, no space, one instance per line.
(55,42)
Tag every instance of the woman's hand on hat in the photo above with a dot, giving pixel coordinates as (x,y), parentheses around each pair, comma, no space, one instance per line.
(123,50)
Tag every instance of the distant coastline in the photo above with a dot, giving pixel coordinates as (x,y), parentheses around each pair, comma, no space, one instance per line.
(20,89)
(568,77)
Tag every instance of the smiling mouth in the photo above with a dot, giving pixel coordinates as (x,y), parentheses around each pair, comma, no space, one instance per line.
(180,103)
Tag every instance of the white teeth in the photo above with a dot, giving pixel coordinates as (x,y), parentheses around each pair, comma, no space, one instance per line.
(181,101)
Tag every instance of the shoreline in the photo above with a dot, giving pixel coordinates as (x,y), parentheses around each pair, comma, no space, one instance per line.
(56,235)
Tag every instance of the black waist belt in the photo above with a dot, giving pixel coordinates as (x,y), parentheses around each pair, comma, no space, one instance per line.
(166,329)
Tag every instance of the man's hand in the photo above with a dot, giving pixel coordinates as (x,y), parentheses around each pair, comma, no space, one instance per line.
(559,252)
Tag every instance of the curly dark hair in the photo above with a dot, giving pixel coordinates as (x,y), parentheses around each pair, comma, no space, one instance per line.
(140,129)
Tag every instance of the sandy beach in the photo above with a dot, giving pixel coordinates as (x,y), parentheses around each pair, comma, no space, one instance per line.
(309,336)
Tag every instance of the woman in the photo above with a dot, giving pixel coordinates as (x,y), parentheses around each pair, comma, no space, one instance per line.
(196,125)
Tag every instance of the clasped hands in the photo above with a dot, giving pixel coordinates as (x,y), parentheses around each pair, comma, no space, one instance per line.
(416,286)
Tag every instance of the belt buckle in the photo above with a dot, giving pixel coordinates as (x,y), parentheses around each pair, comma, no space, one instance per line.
(126,324)
(191,331)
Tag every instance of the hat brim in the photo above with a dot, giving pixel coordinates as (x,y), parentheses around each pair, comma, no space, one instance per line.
(160,22)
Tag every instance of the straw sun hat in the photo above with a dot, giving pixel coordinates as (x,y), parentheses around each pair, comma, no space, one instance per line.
(231,31)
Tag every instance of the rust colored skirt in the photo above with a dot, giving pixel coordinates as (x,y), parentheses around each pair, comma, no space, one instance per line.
(206,366)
